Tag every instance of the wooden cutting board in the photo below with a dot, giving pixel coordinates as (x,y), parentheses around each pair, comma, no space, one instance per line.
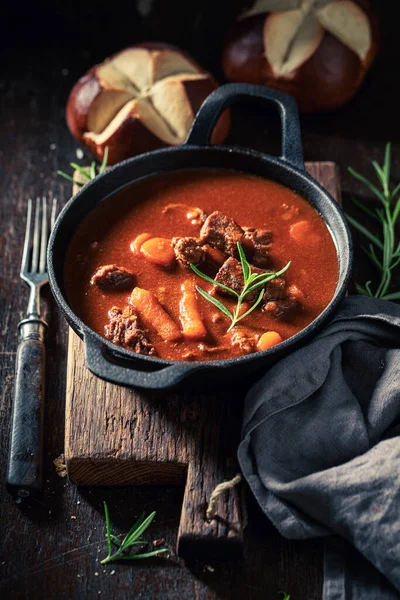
(119,436)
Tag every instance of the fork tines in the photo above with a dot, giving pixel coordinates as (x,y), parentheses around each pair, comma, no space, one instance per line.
(35,245)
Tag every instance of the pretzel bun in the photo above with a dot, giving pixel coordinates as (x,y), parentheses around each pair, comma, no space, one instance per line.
(142,98)
(319,51)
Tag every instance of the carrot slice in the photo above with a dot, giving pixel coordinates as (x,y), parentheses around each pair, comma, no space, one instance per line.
(268,340)
(302,233)
(154,316)
(190,318)
(159,251)
(137,242)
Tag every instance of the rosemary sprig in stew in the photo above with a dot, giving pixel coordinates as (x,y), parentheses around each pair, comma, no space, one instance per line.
(383,251)
(252,281)
(131,539)
(88,173)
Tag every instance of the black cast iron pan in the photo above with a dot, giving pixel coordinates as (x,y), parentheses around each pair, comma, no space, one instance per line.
(121,366)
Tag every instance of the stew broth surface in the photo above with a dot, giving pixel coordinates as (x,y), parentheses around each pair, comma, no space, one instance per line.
(105,236)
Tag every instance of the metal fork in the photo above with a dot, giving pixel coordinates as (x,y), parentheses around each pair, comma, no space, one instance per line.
(25,459)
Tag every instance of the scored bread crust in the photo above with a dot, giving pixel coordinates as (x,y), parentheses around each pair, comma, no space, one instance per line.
(140,99)
(325,74)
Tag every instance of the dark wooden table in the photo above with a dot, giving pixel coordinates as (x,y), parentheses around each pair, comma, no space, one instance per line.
(52,548)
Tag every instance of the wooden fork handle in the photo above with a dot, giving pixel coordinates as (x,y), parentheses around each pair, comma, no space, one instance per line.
(25,459)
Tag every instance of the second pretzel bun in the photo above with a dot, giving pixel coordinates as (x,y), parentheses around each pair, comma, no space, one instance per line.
(140,99)
(319,51)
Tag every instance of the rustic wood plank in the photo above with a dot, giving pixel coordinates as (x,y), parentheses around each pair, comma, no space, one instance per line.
(327,173)
(118,436)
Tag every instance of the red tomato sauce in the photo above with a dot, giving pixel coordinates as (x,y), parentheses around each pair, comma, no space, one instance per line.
(159,206)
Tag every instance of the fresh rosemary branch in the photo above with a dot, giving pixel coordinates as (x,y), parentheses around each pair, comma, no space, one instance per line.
(131,539)
(88,173)
(252,281)
(383,251)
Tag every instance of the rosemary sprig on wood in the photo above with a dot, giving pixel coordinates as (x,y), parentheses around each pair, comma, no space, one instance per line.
(383,251)
(252,282)
(131,540)
(87,173)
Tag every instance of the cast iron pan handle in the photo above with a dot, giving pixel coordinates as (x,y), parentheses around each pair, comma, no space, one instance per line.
(232,93)
(100,363)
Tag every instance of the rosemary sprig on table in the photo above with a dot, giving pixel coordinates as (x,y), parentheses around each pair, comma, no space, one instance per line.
(88,173)
(131,539)
(382,250)
(252,281)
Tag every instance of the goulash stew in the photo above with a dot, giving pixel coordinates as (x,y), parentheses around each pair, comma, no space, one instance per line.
(201,265)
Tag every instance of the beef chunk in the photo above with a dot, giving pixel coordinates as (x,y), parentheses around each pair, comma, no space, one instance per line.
(258,240)
(231,275)
(260,256)
(275,289)
(188,250)
(282,309)
(112,277)
(247,343)
(124,330)
(279,300)
(258,236)
(222,232)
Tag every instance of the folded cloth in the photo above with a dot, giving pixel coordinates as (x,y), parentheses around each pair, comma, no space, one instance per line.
(321,449)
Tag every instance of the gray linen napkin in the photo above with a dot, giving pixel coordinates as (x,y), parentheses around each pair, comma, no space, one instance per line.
(321,448)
